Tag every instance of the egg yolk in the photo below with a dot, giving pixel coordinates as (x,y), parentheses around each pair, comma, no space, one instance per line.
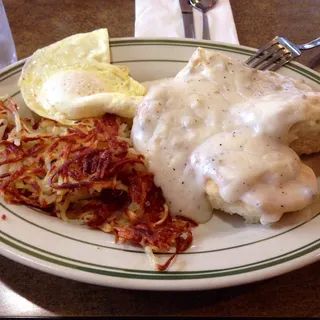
(62,87)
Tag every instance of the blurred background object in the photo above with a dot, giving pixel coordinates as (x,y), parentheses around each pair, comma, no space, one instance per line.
(7,49)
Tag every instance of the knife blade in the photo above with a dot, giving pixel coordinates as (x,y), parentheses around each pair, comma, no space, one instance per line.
(187,17)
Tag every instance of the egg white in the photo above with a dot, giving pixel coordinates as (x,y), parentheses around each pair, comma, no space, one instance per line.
(73,79)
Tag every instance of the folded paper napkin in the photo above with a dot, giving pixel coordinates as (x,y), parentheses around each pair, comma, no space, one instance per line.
(163,18)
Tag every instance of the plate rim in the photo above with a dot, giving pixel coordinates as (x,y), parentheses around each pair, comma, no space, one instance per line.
(308,258)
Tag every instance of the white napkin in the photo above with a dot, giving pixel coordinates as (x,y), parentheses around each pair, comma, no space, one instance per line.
(163,18)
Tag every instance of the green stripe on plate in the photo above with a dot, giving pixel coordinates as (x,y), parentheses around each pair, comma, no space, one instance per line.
(10,75)
(149,60)
(10,69)
(156,275)
(180,43)
(141,251)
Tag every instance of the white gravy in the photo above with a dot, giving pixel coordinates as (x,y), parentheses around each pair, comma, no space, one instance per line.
(220,120)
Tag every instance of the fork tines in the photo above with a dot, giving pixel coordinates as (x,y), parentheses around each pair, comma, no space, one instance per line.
(274,54)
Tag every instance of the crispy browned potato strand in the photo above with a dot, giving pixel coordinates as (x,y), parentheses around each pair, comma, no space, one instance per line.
(88,172)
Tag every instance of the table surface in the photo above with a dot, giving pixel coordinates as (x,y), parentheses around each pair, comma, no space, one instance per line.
(27,292)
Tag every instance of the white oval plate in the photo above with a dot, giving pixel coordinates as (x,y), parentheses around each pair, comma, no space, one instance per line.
(225,251)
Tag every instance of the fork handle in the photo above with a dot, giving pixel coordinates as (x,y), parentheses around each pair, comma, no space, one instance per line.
(309,45)
(205,27)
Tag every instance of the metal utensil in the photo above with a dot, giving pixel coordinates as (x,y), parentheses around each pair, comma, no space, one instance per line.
(204,6)
(187,16)
(278,52)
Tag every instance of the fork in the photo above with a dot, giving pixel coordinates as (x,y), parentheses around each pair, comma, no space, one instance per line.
(278,52)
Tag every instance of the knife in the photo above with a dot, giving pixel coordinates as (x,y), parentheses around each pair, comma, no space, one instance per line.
(187,16)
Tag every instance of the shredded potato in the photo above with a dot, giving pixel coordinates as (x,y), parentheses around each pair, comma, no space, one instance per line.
(88,172)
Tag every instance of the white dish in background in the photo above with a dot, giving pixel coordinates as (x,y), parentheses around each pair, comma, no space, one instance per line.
(225,251)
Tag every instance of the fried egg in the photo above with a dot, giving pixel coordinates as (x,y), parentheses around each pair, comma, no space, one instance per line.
(73,79)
